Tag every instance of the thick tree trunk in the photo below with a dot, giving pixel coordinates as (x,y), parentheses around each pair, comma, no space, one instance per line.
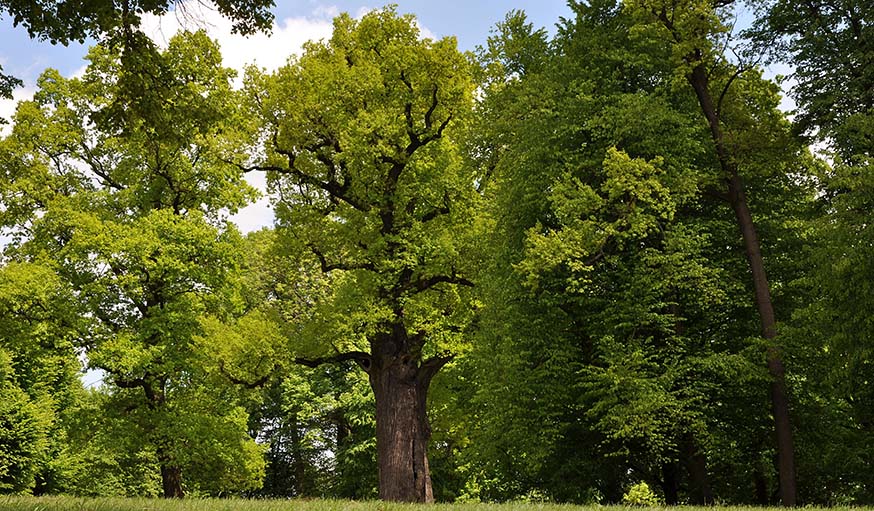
(400,382)
(171,479)
(402,430)
(737,197)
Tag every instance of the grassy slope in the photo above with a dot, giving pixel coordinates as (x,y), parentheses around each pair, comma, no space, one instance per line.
(121,504)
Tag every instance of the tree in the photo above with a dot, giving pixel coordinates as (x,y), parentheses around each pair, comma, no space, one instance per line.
(38,375)
(130,205)
(691,27)
(829,46)
(362,153)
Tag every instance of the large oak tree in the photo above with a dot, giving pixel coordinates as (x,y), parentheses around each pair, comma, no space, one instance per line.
(361,150)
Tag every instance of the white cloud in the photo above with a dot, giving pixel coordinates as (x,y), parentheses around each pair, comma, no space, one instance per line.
(269,51)
(326,11)
(7,107)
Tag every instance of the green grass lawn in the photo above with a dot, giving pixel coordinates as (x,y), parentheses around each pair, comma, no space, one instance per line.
(138,504)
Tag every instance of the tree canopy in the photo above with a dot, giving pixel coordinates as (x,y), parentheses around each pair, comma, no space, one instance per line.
(594,266)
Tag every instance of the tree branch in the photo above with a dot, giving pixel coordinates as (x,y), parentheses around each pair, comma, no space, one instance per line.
(432,366)
(238,381)
(434,213)
(128,384)
(327,267)
(423,284)
(359,357)
(734,76)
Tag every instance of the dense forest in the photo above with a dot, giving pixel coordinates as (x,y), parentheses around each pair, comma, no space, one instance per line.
(569,266)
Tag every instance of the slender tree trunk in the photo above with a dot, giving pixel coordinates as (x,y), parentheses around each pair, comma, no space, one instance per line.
(737,197)
(760,484)
(400,383)
(670,483)
(696,463)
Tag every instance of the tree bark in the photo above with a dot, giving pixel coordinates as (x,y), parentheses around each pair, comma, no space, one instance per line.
(737,197)
(171,473)
(402,431)
(696,463)
(400,382)
(171,477)
(670,483)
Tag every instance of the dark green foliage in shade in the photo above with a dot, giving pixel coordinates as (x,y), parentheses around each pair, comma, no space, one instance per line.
(618,294)
(77,20)
(317,424)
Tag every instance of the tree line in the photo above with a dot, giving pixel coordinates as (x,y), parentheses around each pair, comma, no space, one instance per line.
(554,268)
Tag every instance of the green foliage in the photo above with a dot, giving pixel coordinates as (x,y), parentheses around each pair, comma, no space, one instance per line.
(128,206)
(828,44)
(66,21)
(609,351)
(24,439)
(375,112)
(640,495)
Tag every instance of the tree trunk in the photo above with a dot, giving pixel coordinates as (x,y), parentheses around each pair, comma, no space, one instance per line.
(670,483)
(171,480)
(696,461)
(761,485)
(402,430)
(737,197)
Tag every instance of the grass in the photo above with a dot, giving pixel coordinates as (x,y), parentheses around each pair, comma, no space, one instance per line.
(18,503)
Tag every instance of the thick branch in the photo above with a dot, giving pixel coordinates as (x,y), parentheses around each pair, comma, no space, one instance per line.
(244,383)
(432,366)
(332,188)
(434,213)
(327,267)
(359,357)
(129,384)
(423,284)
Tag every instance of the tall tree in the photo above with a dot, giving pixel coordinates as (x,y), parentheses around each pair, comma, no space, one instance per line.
(362,153)
(829,46)
(126,185)
(692,27)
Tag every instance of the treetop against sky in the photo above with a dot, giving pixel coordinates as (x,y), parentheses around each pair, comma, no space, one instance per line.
(295,23)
